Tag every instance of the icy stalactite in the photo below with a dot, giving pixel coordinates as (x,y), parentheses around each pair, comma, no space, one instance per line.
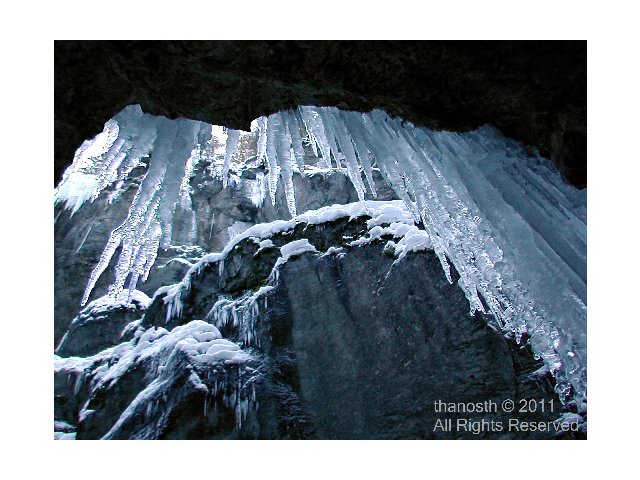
(354,127)
(346,146)
(293,127)
(519,252)
(316,132)
(273,130)
(233,136)
(242,313)
(262,138)
(148,225)
(500,215)
(284,157)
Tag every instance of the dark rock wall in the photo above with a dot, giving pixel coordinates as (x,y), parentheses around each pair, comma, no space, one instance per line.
(95,330)
(376,346)
(533,91)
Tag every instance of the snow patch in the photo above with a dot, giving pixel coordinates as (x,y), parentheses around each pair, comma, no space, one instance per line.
(295,248)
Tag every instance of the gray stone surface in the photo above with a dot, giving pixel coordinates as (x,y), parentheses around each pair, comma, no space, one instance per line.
(377,344)
(96,329)
(185,411)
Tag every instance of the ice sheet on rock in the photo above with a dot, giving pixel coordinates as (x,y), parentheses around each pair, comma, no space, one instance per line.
(237,228)
(338,251)
(264,244)
(76,189)
(100,306)
(62,426)
(256,190)
(198,340)
(63,430)
(134,297)
(411,238)
(174,297)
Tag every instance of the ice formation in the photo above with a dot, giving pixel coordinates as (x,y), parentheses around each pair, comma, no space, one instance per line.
(388,218)
(500,215)
(385,218)
(159,350)
(242,313)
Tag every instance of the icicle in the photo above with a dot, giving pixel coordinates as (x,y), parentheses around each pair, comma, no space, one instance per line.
(326,116)
(185,189)
(152,207)
(114,241)
(233,136)
(284,159)
(293,127)
(272,156)
(503,219)
(112,160)
(315,129)
(213,221)
(262,138)
(346,146)
(84,239)
(353,122)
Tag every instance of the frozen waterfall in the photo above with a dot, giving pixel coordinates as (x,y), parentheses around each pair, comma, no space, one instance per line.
(500,214)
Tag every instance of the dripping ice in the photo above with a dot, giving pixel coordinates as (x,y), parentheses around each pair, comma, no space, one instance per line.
(502,217)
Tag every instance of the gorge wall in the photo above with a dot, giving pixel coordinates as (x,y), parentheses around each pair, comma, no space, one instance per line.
(343,319)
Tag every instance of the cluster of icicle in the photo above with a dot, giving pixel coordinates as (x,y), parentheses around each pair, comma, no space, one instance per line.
(503,217)
(241,313)
(108,159)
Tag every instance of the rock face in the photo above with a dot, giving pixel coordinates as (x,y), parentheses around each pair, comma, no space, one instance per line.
(218,214)
(350,343)
(376,347)
(338,324)
(101,325)
(534,92)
